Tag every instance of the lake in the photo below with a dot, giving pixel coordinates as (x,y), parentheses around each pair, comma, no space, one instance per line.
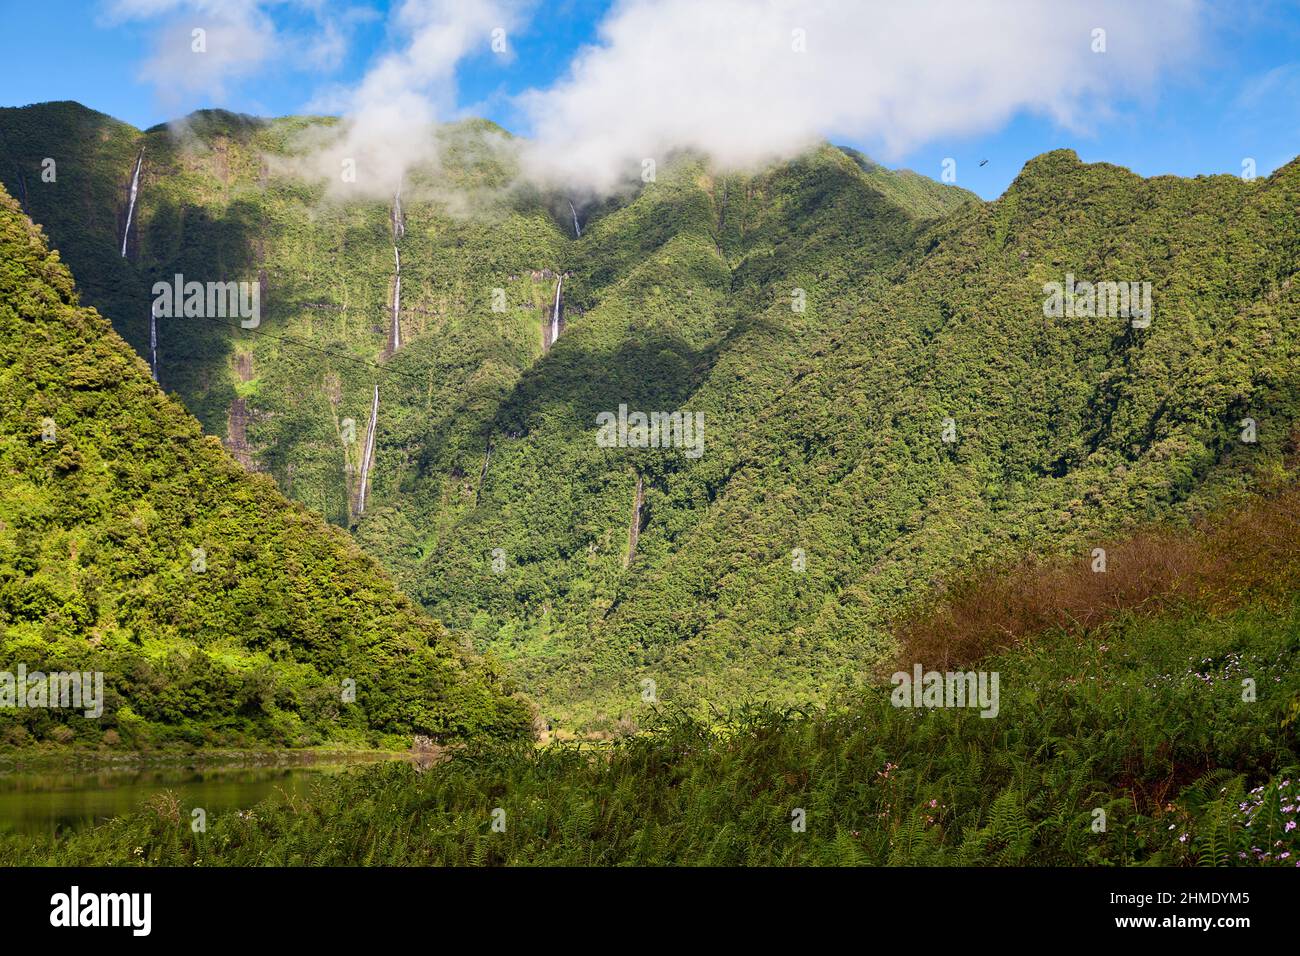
(51,800)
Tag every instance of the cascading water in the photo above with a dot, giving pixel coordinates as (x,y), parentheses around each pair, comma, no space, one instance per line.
(634,529)
(482,475)
(555,313)
(576,228)
(153,342)
(399,230)
(369,455)
(399,224)
(395,340)
(130,210)
(394,343)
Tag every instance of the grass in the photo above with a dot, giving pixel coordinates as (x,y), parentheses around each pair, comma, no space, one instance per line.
(1144,722)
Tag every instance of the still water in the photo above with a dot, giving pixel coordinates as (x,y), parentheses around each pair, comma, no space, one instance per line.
(53,801)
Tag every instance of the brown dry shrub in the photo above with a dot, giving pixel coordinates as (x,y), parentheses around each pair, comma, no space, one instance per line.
(1251,553)
(166,806)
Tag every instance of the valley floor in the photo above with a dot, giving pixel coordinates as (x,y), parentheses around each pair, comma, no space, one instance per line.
(1136,742)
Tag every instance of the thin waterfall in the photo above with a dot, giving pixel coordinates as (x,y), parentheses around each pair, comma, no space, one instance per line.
(482,475)
(399,223)
(395,340)
(555,312)
(399,230)
(369,455)
(130,209)
(153,342)
(576,228)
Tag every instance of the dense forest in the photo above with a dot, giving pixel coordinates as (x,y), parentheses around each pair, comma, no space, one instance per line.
(887,403)
(133,545)
(396,483)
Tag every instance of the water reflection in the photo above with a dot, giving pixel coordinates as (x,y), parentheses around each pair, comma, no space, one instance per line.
(53,800)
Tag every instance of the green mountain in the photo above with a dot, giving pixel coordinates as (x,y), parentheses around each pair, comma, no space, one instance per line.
(1064,428)
(886,401)
(217,611)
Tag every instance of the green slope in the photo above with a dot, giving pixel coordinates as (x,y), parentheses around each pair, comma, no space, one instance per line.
(1154,724)
(214,206)
(1128,747)
(826,433)
(664,293)
(687,295)
(1064,427)
(824,427)
(133,545)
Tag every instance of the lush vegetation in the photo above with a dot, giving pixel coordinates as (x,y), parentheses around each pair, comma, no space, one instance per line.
(1240,557)
(827,501)
(471,400)
(1129,746)
(1151,725)
(133,545)
(837,323)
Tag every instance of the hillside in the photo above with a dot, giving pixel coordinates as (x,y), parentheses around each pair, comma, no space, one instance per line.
(1162,732)
(466,379)
(1065,429)
(214,204)
(828,317)
(218,612)
(828,500)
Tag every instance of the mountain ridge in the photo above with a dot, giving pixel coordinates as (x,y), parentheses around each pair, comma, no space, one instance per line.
(818,313)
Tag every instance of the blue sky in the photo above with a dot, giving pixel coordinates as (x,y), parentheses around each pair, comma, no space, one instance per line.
(1239,97)
(72,50)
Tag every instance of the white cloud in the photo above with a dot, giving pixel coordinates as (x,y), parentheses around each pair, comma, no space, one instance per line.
(241,38)
(746,81)
(726,77)
(388,118)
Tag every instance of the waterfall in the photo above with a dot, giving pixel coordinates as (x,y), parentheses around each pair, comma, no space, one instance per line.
(634,530)
(399,224)
(368,457)
(399,230)
(130,210)
(153,342)
(555,313)
(576,228)
(395,340)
